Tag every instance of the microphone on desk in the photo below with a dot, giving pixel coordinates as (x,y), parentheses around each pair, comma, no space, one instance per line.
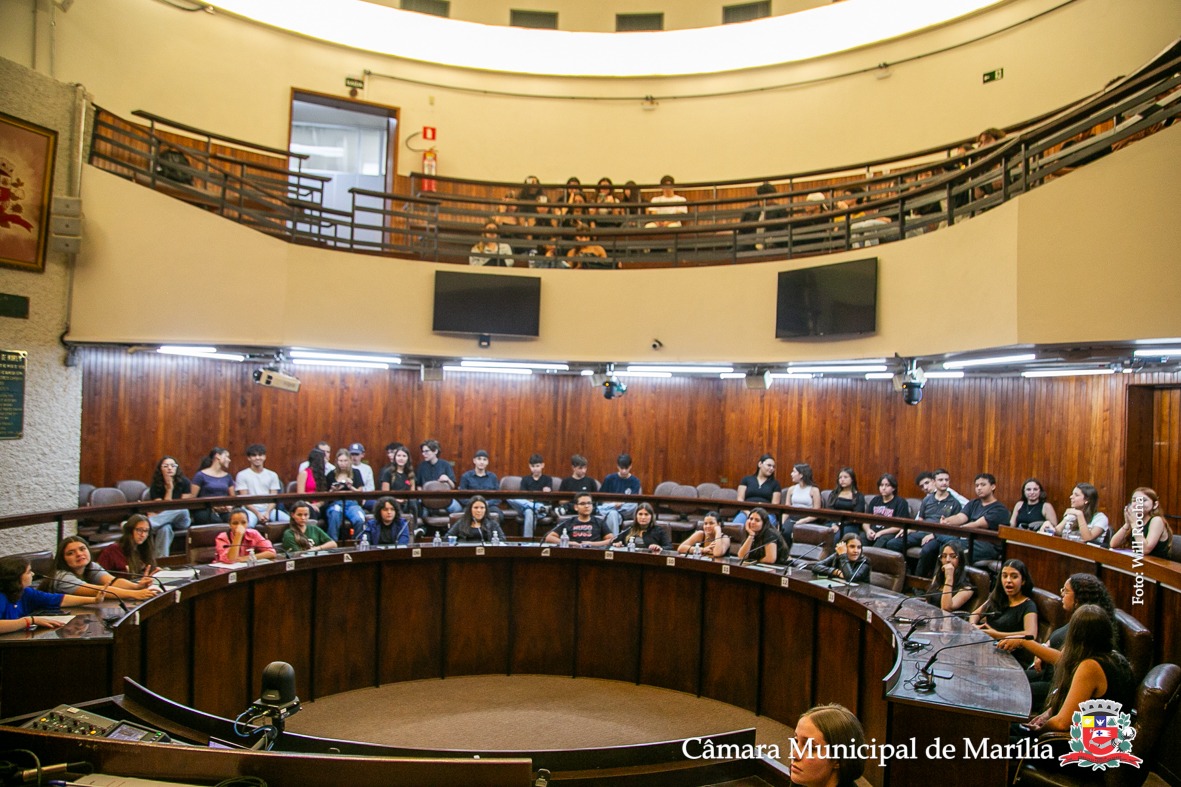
(137,577)
(893,617)
(916,646)
(926,683)
(799,562)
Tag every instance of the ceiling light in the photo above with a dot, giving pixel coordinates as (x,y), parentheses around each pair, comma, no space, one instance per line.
(839,368)
(945,375)
(648,375)
(992,360)
(733,375)
(791,376)
(680,369)
(327,356)
(344,364)
(1157,341)
(199,352)
(487,370)
(1065,372)
(544,367)
(880,376)
(1157,352)
(587,372)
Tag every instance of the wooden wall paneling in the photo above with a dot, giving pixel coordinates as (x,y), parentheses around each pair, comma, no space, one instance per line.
(281,629)
(127,660)
(222,623)
(1122,585)
(838,672)
(789,657)
(924,723)
(344,638)
(608,624)
(544,612)
(877,660)
(730,642)
(670,638)
(1049,569)
(477,617)
(1165,475)
(168,657)
(1138,441)
(24,691)
(410,639)
(137,407)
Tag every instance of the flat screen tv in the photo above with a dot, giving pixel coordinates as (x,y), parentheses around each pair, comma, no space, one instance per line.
(481,303)
(828,301)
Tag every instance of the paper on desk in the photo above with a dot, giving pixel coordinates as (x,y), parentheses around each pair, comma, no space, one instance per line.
(62,619)
(240,564)
(174,574)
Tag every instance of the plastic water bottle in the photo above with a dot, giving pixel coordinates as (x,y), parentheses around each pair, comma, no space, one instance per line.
(251,560)
(436,541)
(495,538)
(564,540)
(697,551)
(631,544)
(364,545)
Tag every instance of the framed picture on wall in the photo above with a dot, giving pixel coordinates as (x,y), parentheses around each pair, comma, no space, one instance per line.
(26,186)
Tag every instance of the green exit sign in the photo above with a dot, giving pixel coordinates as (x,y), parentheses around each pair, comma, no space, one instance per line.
(354,82)
(993,76)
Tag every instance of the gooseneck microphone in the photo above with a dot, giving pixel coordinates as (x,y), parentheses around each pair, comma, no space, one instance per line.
(799,562)
(915,645)
(926,683)
(893,617)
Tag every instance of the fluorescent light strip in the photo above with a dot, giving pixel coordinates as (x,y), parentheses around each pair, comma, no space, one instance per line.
(1157,341)
(327,356)
(681,369)
(945,375)
(847,362)
(732,376)
(1066,372)
(791,376)
(1157,352)
(995,360)
(344,364)
(487,370)
(201,352)
(587,372)
(648,375)
(880,376)
(838,369)
(545,367)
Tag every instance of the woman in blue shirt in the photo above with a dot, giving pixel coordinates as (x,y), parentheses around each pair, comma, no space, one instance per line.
(21,601)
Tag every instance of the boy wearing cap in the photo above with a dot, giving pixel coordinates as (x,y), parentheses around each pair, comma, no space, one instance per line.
(357,452)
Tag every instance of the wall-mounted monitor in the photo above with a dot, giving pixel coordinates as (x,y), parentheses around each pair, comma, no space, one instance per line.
(828,301)
(482,303)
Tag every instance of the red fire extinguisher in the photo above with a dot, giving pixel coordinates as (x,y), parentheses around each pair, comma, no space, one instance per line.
(430,166)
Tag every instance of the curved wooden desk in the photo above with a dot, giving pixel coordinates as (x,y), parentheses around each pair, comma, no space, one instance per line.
(771,644)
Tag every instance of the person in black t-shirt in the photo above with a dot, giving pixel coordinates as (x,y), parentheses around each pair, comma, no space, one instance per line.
(584,528)
(984,514)
(578,481)
(536,481)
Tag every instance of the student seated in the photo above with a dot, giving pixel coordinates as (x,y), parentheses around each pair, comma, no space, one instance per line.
(1009,609)
(950,580)
(1082,521)
(133,553)
(21,602)
(847,563)
(476,524)
(584,529)
(817,730)
(387,526)
(713,542)
(234,545)
(1145,529)
(644,532)
(74,572)
(1033,510)
(304,535)
(762,542)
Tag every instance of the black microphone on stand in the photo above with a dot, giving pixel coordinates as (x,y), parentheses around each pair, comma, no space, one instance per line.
(893,617)
(926,684)
(799,562)
(917,645)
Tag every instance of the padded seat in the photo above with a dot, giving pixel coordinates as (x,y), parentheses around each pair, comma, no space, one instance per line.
(1153,710)
(202,542)
(887,568)
(706,489)
(1135,642)
(436,519)
(813,542)
(681,516)
(41,561)
(132,490)
(1050,613)
(725,512)
(84,491)
(665,488)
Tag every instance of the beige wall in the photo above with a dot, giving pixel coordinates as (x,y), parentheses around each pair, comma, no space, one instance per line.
(219,73)
(994,280)
(41,468)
